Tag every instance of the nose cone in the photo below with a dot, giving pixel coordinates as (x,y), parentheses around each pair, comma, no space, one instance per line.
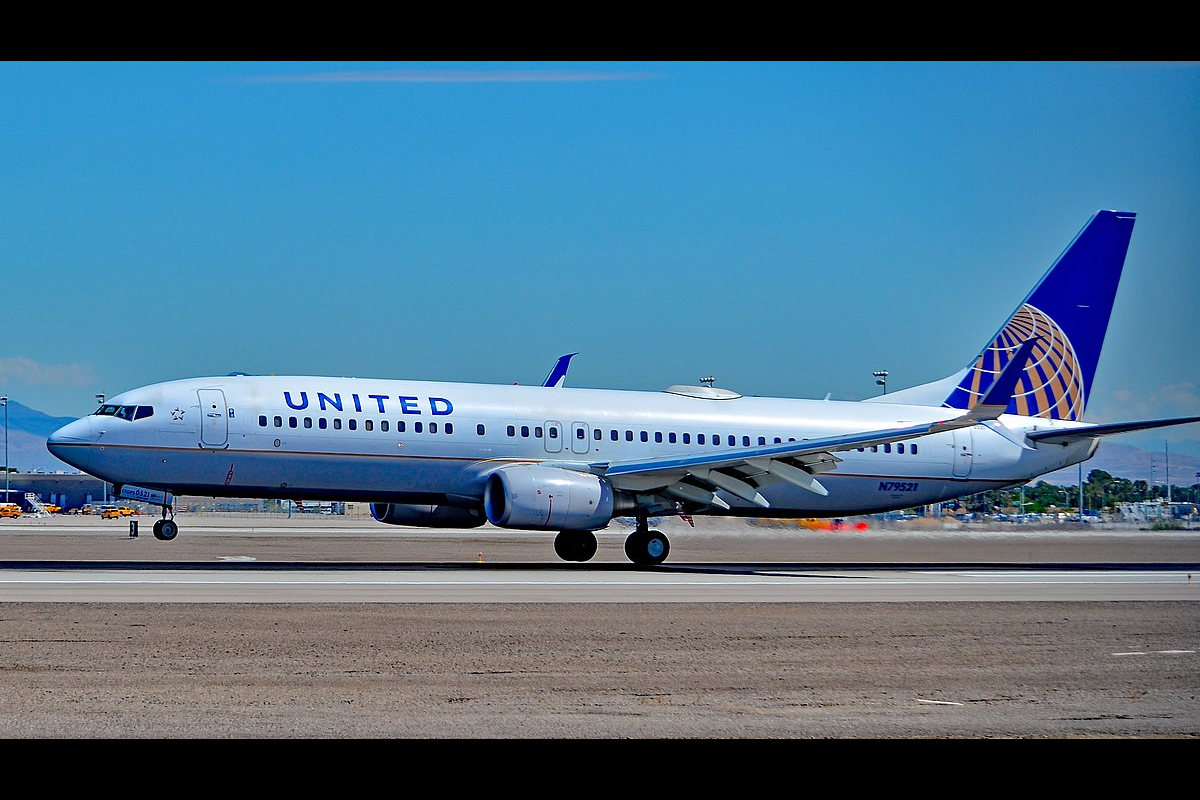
(72,443)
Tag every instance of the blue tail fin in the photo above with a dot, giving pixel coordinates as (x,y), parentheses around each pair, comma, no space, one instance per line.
(1067,314)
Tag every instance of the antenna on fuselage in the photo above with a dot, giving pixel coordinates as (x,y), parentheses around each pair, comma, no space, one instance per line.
(708,381)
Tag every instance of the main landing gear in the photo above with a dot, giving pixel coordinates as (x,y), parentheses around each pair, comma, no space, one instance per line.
(575,545)
(644,547)
(166,529)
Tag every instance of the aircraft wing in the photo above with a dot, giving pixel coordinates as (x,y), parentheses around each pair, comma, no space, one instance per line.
(741,472)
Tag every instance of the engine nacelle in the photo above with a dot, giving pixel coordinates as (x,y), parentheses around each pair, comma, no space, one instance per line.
(426,516)
(547,498)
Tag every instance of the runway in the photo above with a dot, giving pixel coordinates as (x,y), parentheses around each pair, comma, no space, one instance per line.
(430,583)
(327,560)
(344,629)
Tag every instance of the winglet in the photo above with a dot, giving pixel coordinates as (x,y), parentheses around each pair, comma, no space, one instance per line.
(559,373)
(995,401)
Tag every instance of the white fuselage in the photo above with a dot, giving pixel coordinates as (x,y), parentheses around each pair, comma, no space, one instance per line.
(398,441)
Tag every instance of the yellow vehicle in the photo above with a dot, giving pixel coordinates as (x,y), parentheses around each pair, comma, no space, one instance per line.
(10,510)
(115,513)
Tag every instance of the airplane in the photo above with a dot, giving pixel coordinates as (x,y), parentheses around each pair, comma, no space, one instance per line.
(571,461)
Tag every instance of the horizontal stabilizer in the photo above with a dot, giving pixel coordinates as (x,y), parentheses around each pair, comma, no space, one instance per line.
(1069,435)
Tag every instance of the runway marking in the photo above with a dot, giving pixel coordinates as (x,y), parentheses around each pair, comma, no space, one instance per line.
(938,702)
(1157,652)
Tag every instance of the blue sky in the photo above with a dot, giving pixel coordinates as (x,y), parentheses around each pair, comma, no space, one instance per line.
(785,227)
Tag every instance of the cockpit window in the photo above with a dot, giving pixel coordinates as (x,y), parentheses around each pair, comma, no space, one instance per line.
(125,412)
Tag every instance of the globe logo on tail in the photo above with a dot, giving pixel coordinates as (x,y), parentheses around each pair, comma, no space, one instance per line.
(1051,385)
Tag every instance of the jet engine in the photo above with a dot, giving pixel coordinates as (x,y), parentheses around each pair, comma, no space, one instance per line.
(426,516)
(547,498)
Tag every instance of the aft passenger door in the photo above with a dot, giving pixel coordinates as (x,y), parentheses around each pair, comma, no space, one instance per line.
(964,457)
(214,418)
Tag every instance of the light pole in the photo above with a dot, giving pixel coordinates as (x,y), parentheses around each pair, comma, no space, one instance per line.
(881,378)
(4,402)
(103,483)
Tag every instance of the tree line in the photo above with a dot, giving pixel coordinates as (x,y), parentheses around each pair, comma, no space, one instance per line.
(1101,490)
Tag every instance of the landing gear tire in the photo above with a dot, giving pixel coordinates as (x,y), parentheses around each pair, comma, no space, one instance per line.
(647,548)
(575,545)
(166,530)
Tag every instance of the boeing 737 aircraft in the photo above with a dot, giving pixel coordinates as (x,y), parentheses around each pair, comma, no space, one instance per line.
(569,461)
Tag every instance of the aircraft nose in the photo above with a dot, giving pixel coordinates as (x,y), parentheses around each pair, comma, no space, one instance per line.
(72,443)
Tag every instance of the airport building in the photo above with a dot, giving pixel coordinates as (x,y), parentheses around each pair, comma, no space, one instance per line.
(69,490)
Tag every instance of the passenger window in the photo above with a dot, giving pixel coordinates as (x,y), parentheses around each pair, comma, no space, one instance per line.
(612,435)
(418,427)
(579,433)
(449,428)
(699,438)
(291,422)
(554,433)
(279,422)
(368,425)
(874,448)
(598,434)
(778,440)
(762,440)
(658,437)
(524,431)
(629,436)
(352,424)
(433,427)
(337,423)
(671,438)
(914,449)
(322,423)
(512,431)
(687,438)
(716,439)
(900,447)
(479,429)
(887,448)
(644,437)
(537,431)
(745,441)
(308,422)
(383,425)
(262,420)
(400,426)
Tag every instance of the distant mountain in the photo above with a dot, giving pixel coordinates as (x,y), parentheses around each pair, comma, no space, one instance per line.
(28,430)
(1134,463)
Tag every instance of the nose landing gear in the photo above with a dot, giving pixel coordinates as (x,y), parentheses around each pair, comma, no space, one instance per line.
(166,529)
